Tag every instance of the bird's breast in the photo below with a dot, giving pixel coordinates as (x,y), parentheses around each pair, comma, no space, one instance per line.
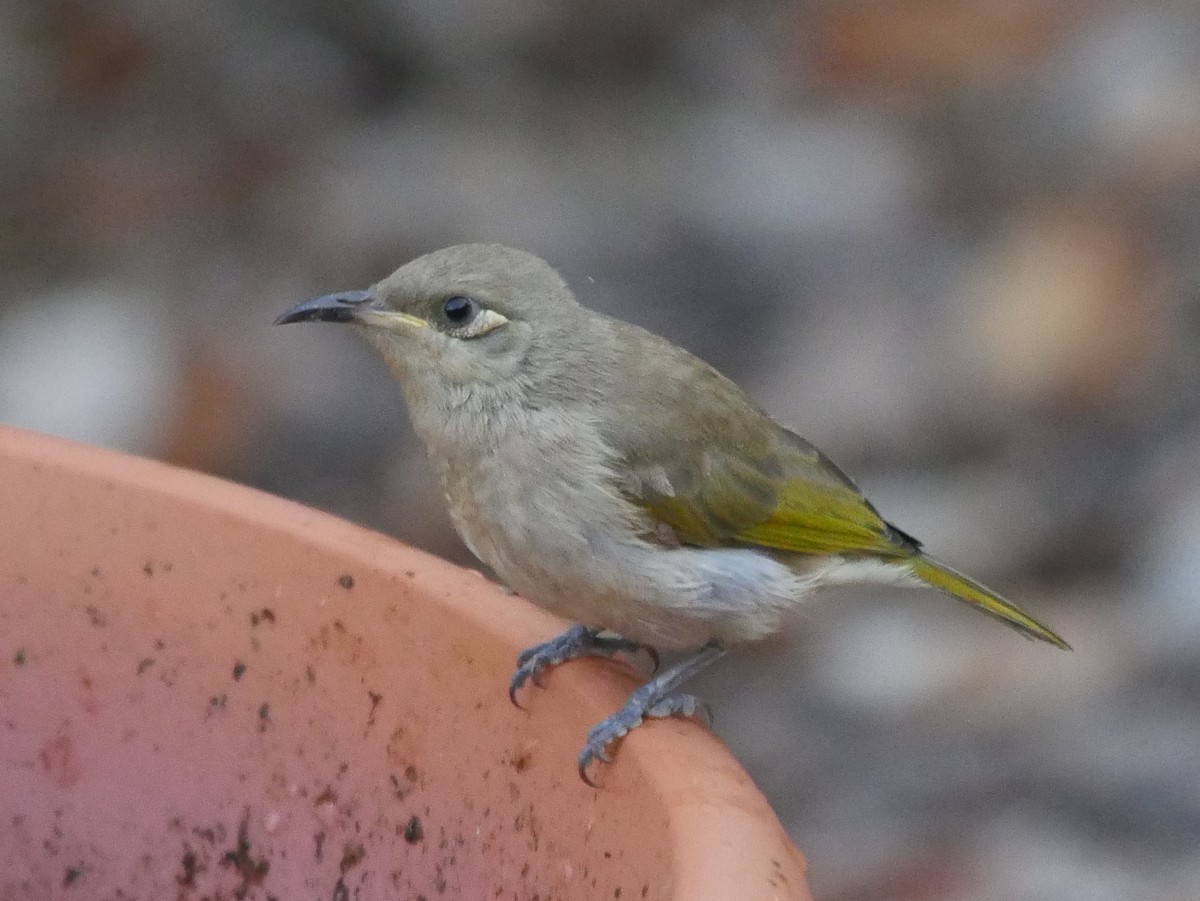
(540,482)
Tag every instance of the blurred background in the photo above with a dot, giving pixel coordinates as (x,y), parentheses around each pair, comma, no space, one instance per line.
(955,244)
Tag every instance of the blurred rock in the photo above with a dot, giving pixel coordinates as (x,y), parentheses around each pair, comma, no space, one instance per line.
(934,45)
(93,362)
(1167,575)
(1069,309)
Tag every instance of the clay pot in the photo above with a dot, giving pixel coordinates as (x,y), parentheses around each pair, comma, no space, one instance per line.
(208,692)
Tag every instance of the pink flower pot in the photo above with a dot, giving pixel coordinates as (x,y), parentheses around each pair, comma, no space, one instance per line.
(208,692)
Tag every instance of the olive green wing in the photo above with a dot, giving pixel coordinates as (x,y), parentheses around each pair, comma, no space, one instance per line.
(781,493)
(707,465)
(819,510)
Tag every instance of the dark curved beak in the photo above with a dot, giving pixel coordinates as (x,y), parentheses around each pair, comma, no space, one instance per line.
(340,307)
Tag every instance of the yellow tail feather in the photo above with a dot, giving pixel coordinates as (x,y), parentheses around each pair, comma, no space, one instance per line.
(970,591)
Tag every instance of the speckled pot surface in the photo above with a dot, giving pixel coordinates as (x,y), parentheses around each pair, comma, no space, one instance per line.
(208,692)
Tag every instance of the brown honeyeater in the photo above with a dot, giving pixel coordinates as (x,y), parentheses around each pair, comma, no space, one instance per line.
(614,478)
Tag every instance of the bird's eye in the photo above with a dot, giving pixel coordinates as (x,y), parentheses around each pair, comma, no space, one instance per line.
(467,318)
(460,310)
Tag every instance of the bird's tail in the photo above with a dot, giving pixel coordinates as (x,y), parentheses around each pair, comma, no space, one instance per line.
(945,579)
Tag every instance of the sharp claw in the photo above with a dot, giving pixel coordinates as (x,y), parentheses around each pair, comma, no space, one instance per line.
(512,695)
(589,755)
(525,672)
(517,682)
(583,774)
(655,662)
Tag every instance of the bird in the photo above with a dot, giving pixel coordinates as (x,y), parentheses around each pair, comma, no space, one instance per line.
(615,479)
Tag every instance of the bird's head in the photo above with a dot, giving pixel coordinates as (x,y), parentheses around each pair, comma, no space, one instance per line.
(468,321)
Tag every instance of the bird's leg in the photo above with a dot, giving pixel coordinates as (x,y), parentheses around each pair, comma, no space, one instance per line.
(657,698)
(577,641)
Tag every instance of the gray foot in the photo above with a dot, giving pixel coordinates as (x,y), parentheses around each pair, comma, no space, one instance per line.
(577,641)
(657,698)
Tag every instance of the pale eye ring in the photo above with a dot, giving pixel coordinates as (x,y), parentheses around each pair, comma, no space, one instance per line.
(460,309)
